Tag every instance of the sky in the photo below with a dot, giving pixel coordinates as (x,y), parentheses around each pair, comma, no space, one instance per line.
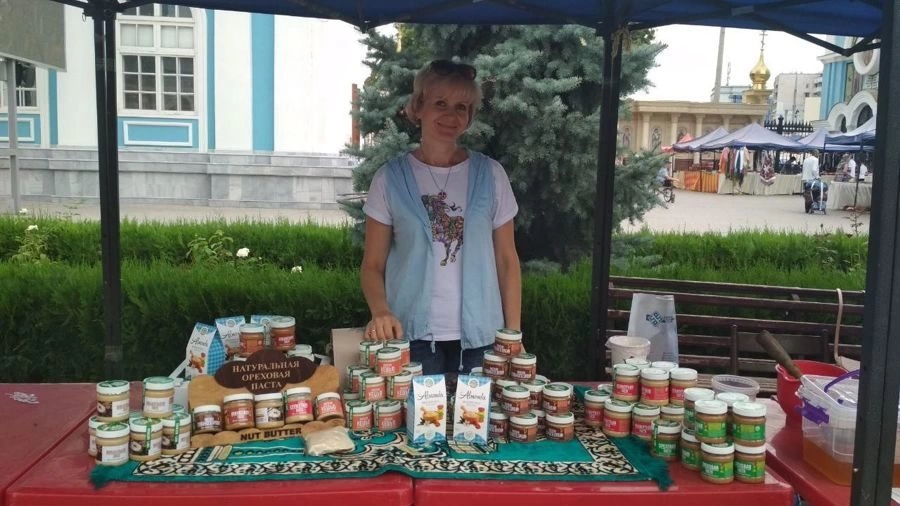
(687,67)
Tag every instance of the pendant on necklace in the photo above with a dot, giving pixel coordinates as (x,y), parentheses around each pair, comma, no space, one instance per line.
(442,195)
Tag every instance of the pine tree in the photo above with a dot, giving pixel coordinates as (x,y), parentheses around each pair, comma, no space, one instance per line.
(539,119)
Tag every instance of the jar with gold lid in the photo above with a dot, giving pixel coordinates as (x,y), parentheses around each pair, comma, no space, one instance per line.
(252,338)
(112,444)
(176,437)
(269,411)
(113,400)
(146,439)
(282,331)
(159,396)
(239,412)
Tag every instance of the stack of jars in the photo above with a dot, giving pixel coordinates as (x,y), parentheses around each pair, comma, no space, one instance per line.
(281,332)
(379,385)
(527,405)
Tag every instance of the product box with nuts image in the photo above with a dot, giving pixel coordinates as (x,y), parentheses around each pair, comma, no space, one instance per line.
(473,402)
(426,413)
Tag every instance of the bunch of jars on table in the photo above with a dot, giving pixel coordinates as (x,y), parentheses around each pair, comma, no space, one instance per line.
(720,434)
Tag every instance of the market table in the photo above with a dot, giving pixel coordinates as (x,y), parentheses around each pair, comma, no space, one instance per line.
(785,456)
(30,431)
(840,195)
(688,490)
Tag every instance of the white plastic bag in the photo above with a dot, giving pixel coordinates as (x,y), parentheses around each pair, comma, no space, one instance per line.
(653,317)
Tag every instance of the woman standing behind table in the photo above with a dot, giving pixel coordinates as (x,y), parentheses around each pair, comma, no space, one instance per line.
(440,264)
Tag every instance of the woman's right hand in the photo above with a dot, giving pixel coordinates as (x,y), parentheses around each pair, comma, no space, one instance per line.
(382,327)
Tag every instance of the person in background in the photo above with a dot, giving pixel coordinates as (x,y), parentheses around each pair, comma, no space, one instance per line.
(863,170)
(810,171)
(663,177)
(440,264)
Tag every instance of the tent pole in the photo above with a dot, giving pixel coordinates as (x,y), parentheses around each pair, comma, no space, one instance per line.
(879,387)
(603,202)
(104,15)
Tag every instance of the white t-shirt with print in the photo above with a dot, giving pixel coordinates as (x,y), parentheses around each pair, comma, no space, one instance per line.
(446,299)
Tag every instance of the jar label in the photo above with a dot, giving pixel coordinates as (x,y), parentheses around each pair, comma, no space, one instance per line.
(114,409)
(755,469)
(299,407)
(238,416)
(690,419)
(92,445)
(115,454)
(524,373)
(750,432)
(593,415)
(711,430)
(147,448)
(642,428)
(375,392)
(498,429)
(654,393)
(516,407)
(209,421)
(508,348)
(718,470)
(617,425)
(354,383)
(329,407)
(266,415)
(399,391)
(284,341)
(676,393)
(690,456)
(521,435)
(158,405)
(178,440)
(389,368)
(559,433)
(494,369)
(554,406)
(622,389)
(390,421)
(361,421)
(535,400)
(665,448)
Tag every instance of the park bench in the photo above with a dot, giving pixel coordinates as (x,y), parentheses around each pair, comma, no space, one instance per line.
(718,323)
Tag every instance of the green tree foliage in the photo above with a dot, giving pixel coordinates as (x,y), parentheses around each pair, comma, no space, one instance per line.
(540,119)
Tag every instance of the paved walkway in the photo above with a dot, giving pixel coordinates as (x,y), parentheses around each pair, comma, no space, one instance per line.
(691,212)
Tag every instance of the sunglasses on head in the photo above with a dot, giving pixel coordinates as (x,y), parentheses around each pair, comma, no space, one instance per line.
(447,67)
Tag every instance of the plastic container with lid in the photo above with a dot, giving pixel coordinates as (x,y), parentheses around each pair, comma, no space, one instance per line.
(372,387)
(516,400)
(717,463)
(617,418)
(497,388)
(238,409)
(560,427)
(729,398)
(368,352)
(388,361)
(664,365)
(146,439)
(523,367)
(93,423)
(749,427)
(508,342)
(680,378)
(398,386)
(711,416)
(654,386)
(282,331)
(749,463)
(495,365)
(642,418)
(298,405)
(328,406)
(542,420)
(672,412)
(403,346)
(300,350)
(176,437)
(523,428)
(113,400)
(535,389)
(159,396)
(665,439)
(207,419)
(626,382)
(112,444)
(269,411)
(737,384)
(252,338)
(556,398)
(690,450)
(499,425)
(692,395)
(594,401)
(353,374)
(638,362)
(415,368)
(388,415)
(359,416)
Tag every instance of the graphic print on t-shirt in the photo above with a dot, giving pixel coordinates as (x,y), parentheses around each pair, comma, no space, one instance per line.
(445,229)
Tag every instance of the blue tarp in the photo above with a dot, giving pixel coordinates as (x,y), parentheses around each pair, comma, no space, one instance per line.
(694,145)
(756,137)
(862,135)
(833,17)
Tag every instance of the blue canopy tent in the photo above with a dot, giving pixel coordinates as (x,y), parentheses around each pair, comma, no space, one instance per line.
(865,19)
(694,145)
(753,136)
(861,135)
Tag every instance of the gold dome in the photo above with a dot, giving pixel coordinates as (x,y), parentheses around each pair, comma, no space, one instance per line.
(760,74)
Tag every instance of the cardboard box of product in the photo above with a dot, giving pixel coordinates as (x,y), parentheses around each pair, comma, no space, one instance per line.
(473,401)
(426,410)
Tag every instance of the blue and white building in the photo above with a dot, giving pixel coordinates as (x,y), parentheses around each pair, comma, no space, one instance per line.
(217,93)
(849,87)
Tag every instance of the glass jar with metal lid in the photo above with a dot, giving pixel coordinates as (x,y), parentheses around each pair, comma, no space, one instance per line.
(113,400)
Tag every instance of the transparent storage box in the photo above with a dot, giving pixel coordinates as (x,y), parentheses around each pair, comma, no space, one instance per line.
(829,426)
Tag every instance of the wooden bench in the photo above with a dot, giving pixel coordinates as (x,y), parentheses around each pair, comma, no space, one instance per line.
(802,319)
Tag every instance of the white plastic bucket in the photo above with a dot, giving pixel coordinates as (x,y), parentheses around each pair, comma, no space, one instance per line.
(623,347)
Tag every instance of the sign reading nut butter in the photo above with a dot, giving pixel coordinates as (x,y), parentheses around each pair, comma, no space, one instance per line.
(265,371)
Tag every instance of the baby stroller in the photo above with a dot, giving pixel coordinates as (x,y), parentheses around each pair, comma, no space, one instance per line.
(815,195)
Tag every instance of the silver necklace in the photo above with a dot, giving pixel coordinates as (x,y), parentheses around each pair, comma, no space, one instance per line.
(442,195)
